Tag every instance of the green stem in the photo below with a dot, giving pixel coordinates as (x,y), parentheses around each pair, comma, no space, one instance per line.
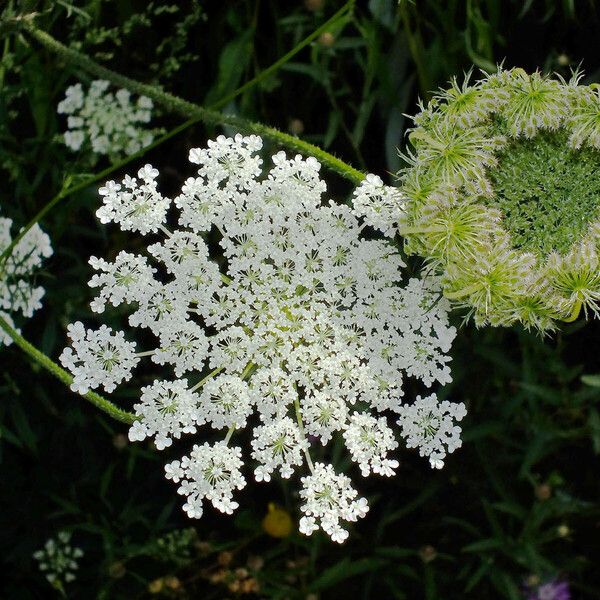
(302,432)
(183,107)
(402,231)
(205,379)
(574,313)
(286,57)
(458,294)
(229,434)
(247,370)
(415,46)
(102,403)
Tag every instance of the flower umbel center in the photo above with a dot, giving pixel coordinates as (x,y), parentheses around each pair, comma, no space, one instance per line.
(547,192)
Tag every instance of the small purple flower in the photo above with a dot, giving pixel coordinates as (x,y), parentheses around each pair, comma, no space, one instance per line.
(551,590)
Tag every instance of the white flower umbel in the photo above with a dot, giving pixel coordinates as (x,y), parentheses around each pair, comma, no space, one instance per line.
(502,197)
(120,281)
(106,123)
(58,560)
(369,440)
(98,358)
(328,499)
(380,205)
(18,293)
(211,473)
(279,445)
(136,207)
(167,409)
(225,402)
(299,318)
(431,426)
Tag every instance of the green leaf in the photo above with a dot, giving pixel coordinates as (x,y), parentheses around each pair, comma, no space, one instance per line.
(233,61)
(344,570)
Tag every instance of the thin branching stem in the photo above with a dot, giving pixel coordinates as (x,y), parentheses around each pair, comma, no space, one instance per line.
(180,106)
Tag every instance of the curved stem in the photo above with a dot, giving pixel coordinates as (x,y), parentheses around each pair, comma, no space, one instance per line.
(179,105)
(286,57)
(461,293)
(39,357)
(574,312)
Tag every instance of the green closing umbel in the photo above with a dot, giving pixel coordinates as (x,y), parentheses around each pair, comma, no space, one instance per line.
(503,196)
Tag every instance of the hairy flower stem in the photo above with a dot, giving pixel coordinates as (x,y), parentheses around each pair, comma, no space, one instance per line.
(462,292)
(39,357)
(405,230)
(183,107)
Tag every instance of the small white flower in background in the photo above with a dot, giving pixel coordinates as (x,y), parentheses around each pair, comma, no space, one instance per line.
(18,294)
(111,124)
(431,427)
(58,560)
(303,323)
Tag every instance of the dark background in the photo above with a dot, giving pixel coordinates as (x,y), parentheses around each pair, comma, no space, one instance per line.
(520,499)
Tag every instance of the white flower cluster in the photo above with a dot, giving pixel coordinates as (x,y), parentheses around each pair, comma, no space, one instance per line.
(18,294)
(58,560)
(302,323)
(380,205)
(431,426)
(110,124)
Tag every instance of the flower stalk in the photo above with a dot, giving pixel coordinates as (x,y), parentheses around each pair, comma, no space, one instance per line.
(44,361)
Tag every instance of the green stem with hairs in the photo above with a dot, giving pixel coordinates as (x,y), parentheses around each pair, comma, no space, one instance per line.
(39,357)
(410,230)
(180,106)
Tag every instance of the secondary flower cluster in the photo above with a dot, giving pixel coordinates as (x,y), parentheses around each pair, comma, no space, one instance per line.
(502,196)
(107,123)
(58,560)
(302,322)
(18,294)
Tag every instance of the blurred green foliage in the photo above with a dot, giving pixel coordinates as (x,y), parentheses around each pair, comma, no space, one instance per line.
(520,499)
